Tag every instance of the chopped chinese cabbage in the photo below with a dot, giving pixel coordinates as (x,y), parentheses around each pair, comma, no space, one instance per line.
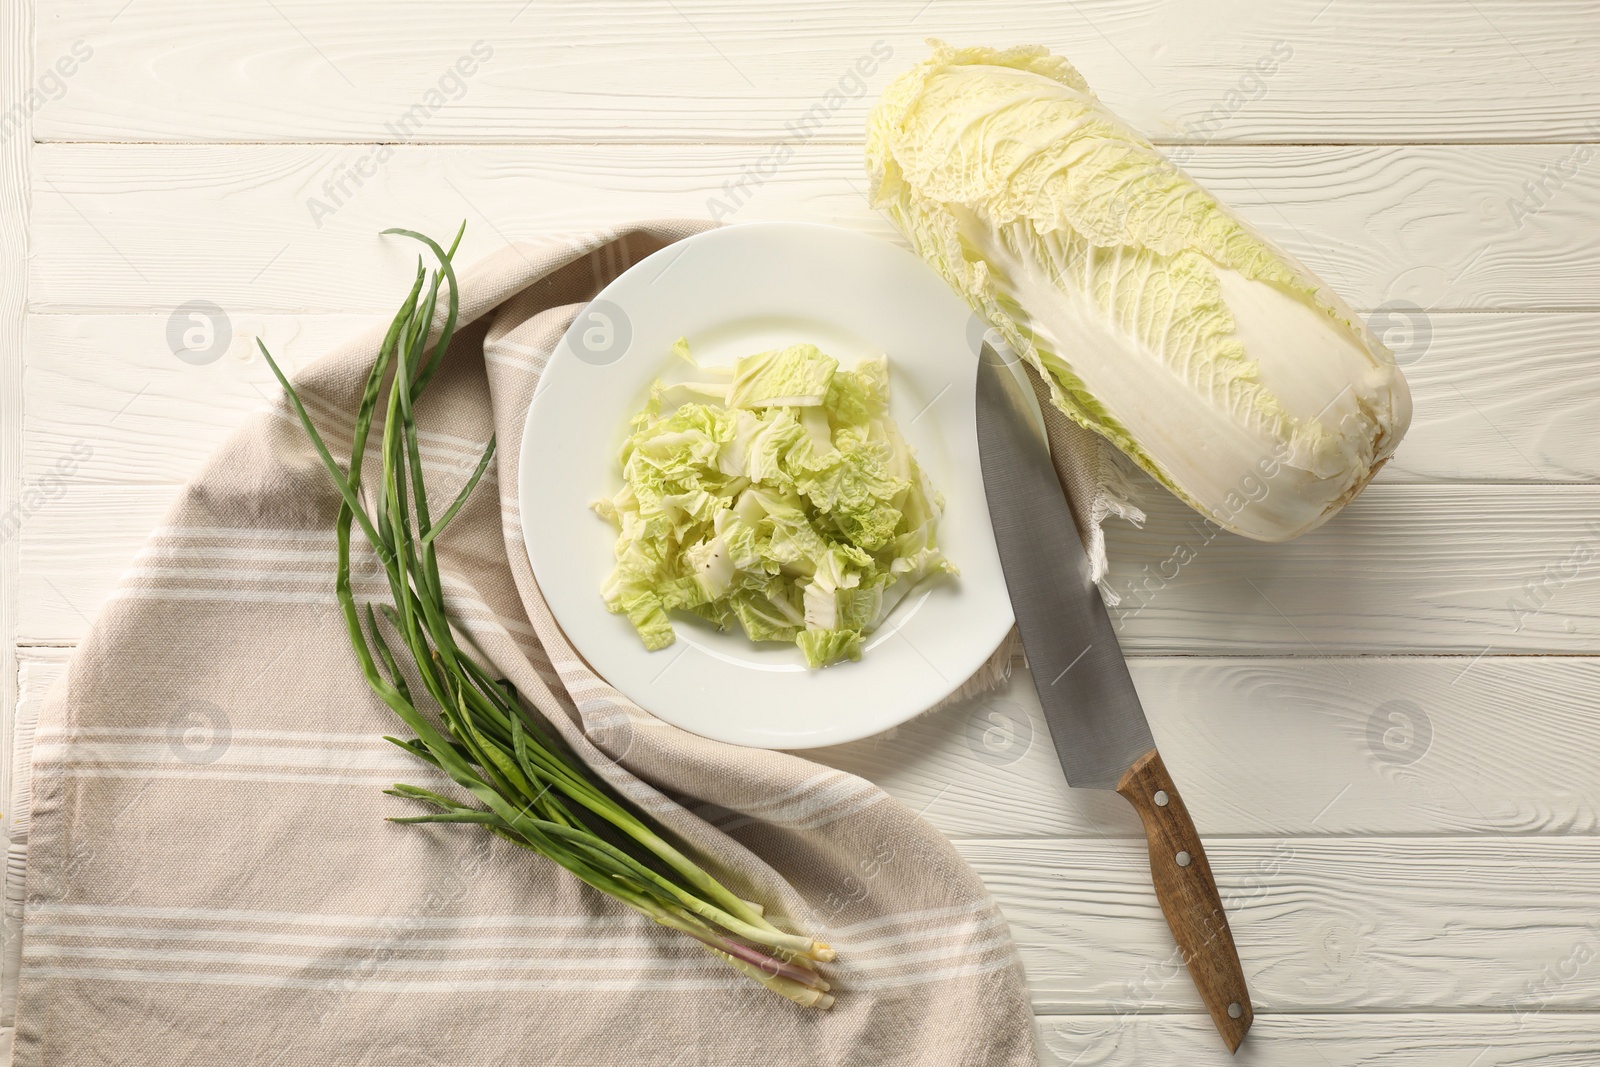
(784,501)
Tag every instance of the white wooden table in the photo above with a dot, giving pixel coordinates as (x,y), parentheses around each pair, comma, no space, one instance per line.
(1388,731)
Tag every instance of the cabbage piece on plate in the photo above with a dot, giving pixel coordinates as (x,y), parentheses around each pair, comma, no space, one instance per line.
(777,495)
(1159,319)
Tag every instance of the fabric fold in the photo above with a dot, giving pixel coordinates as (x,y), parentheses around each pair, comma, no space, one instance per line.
(210,879)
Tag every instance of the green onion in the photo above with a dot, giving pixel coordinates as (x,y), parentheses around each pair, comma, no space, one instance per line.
(533,791)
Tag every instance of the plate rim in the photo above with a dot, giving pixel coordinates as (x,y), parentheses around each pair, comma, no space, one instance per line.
(835,735)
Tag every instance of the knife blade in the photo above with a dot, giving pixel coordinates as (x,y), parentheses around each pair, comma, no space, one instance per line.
(1096,722)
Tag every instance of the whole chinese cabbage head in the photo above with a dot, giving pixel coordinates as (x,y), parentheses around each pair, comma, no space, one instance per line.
(1157,317)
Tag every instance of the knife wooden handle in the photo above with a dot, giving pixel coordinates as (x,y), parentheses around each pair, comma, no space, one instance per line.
(1188,896)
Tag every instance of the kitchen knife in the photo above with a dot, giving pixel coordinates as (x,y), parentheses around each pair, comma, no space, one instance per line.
(1095,719)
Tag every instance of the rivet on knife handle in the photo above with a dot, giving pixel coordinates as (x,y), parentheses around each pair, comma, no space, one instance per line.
(1188,896)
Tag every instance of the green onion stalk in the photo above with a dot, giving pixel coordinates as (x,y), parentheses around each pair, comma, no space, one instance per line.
(532,790)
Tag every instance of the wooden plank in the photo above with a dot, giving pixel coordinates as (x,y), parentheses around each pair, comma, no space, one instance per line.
(1328,923)
(1420,569)
(125,227)
(1498,397)
(1237,734)
(1240,736)
(113,384)
(63,582)
(1409,745)
(696,70)
(1459,1039)
(113,381)
(1470,569)
(1322,924)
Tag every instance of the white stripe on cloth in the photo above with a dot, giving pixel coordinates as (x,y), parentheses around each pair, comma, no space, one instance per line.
(842,795)
(58,921)
(373,985)
(421,774)
(57,910)
(977,907)
(665,957)
(76,731)
(714,979)
(668,959)
(970,926)
(387,759)
(284,937)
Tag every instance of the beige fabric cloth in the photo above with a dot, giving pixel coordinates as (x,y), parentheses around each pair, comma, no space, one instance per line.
(210,879)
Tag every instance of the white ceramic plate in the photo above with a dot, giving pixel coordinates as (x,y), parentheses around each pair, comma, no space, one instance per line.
(732,292)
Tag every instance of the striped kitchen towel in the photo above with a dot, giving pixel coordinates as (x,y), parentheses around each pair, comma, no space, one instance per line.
(210,879)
